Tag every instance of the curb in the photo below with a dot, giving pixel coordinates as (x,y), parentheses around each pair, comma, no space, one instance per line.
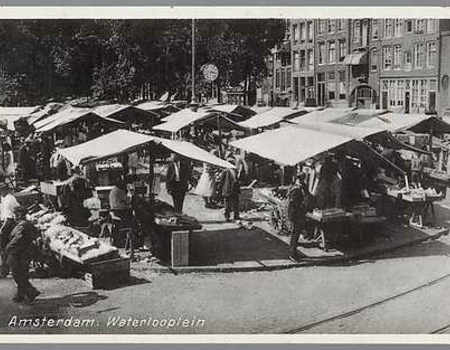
(261,266)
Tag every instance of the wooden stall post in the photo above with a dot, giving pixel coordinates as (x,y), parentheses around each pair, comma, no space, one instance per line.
(221,155)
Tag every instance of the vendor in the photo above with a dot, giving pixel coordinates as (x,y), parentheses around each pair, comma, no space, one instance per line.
(77,192)
(119,202)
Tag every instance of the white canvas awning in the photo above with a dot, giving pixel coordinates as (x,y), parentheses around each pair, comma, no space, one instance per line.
(356,132)
(325,115)
(290,145)
(9,115)
(66,116)
(396,122)
(187,117)
(271,117)
(113,111)
(124,141)
(355,58)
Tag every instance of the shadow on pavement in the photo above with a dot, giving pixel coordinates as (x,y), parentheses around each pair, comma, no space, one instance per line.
(211,248)
(77,300)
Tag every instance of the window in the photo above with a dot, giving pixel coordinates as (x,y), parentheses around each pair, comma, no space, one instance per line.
(331,25)
(342,50)
(387,28)
(408,60)
(431,54)
(321,26)
(321,53)
(295,33)
(296,61)
(302,60)
(400,93)
(357,32)
(375,29)
(341,24)
(397,57)
(331,52)
(418,55)
(431,25)
(302,29)
(392,93)
(398,28)
(408,26)
(420,26)
(342,90)
(387,58)
(310,30)
(423,92)
(277,78)
(331,86)
(288,77)
(374,60)
(310,59)
(415,94)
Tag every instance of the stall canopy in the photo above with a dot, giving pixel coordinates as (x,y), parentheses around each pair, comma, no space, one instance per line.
(113,111)
(9,115)
(290,145)
(187,117)
(48,110)
(396,122)
(236,112)
(124,141)
(271,117)
(356,58)
(325,115)
(67,116)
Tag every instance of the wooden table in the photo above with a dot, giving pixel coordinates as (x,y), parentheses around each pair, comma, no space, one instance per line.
(322,226)
(420,207)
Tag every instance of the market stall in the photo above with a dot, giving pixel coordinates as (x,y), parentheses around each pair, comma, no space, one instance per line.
(175,227)
(308,143)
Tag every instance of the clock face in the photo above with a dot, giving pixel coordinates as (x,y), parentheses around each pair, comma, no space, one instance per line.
(210,72)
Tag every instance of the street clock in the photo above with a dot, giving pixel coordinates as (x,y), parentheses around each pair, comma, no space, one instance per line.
(210,72)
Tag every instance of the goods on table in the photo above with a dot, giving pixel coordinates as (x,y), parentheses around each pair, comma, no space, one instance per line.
(165,215)
(76,245)
(280,193)
(328,213)
(437,174)
(363,210)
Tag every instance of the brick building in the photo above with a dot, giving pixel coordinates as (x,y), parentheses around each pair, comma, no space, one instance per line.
(405,63)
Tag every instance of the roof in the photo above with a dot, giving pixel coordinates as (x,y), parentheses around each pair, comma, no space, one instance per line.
(108,111)
(67,116)
(177,121)
(152,105)
(396,122)
(185,114)
(242,112)
(124,141)
(44,112)
(325,115)
(301,143)
(356,132)
(12,114)
(270,117)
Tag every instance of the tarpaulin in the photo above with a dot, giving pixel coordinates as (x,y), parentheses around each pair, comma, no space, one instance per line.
(67,116)
(290,145)
(11,114)
(124,141)
(325,115)
(271,117)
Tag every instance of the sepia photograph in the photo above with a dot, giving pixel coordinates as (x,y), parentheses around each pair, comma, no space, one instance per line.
(281,175)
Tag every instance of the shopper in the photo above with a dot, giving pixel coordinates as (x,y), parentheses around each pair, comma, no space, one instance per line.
(20,251)
(177,181)
(7,207)
(230,189)
(298,198)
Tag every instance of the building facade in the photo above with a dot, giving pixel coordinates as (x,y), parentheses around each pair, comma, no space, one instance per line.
(398,64)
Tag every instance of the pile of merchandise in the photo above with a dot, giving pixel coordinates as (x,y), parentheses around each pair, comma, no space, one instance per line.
(165,215)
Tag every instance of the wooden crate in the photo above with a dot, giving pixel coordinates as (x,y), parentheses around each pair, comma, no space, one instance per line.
(108,273)
(180,248)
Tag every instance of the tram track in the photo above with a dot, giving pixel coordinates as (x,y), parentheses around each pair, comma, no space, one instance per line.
(361,309)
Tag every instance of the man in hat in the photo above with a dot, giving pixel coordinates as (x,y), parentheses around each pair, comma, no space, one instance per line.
(298,198)
(230,189)
(21,250)
(177,181)
(7,207)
